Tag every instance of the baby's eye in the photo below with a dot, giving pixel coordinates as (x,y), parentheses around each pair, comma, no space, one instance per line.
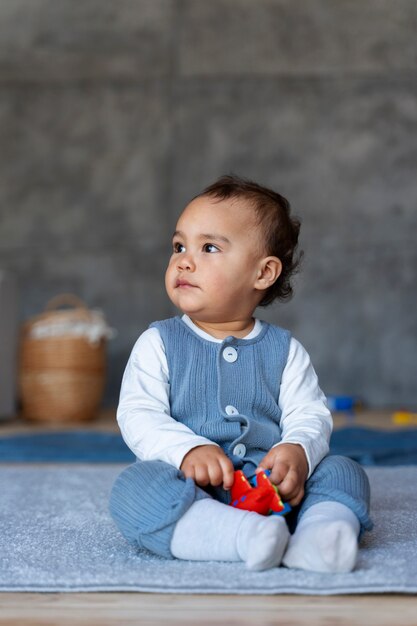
(178,247)
(210,247)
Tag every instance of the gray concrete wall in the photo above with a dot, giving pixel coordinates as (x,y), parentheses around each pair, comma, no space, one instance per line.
(113,114)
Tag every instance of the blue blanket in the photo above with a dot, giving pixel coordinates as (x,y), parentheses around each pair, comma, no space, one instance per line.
(65,447)
(365,445)
(369,446)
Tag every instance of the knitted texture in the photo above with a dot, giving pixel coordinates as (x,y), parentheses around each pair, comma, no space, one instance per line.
(205,381)
(147,500)
(227,392)
(149,497)
(340,479)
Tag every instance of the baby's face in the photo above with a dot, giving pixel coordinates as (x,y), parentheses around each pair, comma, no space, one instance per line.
(214,265)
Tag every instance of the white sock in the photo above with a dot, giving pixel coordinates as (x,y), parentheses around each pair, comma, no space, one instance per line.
(325,540)
(212,531)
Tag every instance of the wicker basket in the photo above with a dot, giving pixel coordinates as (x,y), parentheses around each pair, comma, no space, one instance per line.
(61,377)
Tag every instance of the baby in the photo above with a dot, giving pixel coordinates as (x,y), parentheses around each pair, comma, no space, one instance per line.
(218,390)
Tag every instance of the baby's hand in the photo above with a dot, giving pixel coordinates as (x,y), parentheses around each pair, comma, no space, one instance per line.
(208,465)
(289,471)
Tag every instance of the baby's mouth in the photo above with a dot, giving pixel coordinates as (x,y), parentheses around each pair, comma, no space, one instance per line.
(184,284)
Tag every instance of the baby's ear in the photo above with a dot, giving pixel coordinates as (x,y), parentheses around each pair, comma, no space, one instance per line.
(269,270)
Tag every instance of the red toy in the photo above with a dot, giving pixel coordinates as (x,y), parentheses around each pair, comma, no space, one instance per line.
(257,494)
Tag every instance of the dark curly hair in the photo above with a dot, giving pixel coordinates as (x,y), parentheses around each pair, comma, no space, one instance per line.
(280,229)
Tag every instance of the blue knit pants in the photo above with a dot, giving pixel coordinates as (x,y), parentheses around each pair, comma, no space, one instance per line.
(148,498)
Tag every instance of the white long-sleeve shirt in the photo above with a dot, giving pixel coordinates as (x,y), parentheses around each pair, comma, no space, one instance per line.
(152,433)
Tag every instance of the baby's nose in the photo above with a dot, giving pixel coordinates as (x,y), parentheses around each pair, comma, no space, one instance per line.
(185,262)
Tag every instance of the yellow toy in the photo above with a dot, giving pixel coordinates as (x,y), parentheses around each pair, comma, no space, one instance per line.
(404,417)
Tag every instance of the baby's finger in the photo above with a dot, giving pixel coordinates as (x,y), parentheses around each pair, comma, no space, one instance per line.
(228,473)
(202,477)
(278,473)
(290,485)
(215,471)
(188,472)
(296,499)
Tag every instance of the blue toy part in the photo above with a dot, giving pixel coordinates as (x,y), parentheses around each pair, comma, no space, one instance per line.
(287,508)
(342,403)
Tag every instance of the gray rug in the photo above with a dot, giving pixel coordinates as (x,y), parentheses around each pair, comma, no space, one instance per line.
(56,535)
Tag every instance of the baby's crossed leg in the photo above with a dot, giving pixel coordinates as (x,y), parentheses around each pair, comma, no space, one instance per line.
(156,508)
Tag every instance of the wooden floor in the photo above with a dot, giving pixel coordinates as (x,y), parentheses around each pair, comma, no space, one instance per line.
(120,609)
(117,609)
